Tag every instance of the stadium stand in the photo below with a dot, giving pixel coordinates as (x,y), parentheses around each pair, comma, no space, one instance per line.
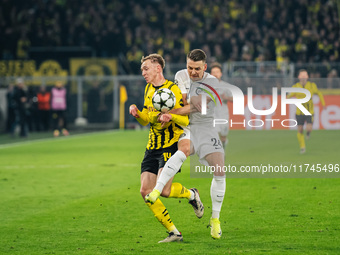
(265,30)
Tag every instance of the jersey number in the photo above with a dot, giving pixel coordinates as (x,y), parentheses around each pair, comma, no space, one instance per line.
(166,156)
(217,143)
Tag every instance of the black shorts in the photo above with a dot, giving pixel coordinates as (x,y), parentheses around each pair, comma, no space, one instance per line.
(156,159)
(301,119)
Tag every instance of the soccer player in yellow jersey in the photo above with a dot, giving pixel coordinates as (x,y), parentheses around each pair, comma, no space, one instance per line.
(162,144)
(300,117)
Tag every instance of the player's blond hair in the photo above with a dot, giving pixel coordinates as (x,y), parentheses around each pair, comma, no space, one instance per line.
(155,58)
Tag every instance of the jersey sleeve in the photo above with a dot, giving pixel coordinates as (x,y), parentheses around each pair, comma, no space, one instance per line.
(143,117)
(318,92)
(227,90)
(181,82)
(292,94)
(144,114)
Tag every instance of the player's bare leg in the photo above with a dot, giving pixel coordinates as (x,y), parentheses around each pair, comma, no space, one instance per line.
(170,168)
(224,140)
(148,181)
(177,190)
(301,139)
(309,129)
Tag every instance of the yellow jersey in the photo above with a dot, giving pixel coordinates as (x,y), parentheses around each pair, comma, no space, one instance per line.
(313,89)
(162,137)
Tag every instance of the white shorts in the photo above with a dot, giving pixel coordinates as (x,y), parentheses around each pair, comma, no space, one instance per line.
(204,140)
(223,129)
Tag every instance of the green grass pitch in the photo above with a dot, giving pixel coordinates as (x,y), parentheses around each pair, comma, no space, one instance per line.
(80,195)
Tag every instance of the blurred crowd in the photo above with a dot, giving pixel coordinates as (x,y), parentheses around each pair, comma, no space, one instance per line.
(29,109)
(259,30)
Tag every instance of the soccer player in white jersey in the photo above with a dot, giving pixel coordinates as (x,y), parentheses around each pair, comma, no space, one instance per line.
(201,138)
(223,112)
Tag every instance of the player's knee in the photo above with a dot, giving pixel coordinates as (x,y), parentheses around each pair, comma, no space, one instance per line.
(185,149)
(300,129)
(219,172)
(144,191)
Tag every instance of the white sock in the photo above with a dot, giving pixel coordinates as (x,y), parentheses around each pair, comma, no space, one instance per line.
(170,169)
(192,195)
(175,231)
(217,191)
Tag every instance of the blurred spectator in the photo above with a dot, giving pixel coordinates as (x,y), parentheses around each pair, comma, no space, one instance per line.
(44,107)
(12,109)
(299,31)
(21,98)
(59,107)
(332,79)
(32,109)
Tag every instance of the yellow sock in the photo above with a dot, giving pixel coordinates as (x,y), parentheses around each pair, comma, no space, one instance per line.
(301,140)
(162,215)
(179,191)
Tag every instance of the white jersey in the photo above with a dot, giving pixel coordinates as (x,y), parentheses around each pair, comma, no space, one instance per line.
(222,112)
(193,88)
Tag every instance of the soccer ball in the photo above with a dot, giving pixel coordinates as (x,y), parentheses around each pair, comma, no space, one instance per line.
(163,100)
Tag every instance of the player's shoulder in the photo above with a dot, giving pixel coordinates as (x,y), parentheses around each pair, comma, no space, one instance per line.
(181,74)
(312,84)
(210,79)
(173,86)
(182,79)
(148,86)
(149,90)
(169,84)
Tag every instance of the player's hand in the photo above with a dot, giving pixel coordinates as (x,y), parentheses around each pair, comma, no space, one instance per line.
(196,102)
(165,118)
(133,110)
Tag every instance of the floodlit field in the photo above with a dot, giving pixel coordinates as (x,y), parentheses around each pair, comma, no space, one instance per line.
(80,195)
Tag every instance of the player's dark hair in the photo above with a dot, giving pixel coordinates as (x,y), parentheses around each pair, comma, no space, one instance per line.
(155,58)
(197,55)
(216,65)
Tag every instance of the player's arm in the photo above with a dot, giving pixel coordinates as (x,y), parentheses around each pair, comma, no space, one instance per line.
(318,92)
(292,94)
(141,116)
(188,108)
(185,110)
(180,119)
(227,97)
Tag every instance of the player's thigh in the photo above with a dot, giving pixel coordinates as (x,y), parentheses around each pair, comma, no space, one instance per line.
(149,171)
(300,128)
(309,120)
(216,159)
(309,127)
(186,147)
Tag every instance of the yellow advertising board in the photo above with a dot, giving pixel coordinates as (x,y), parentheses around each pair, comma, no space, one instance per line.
(32,74)
(95,68)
